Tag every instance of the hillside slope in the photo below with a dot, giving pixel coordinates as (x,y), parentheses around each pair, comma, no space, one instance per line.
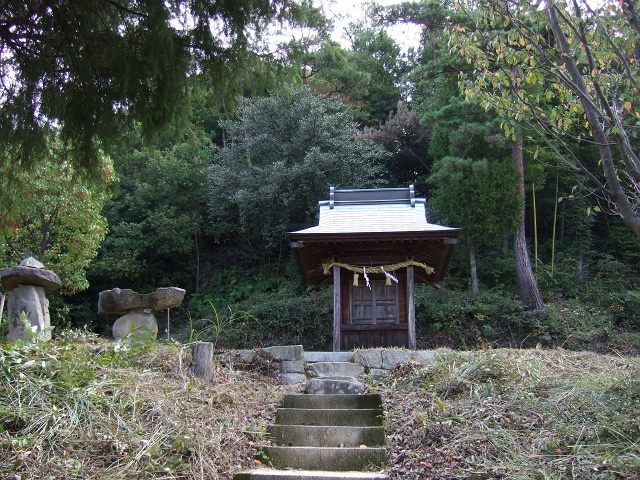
(94,409)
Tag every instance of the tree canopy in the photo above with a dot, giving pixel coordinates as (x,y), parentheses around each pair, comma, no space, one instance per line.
(283,154)
(569,71)
(55,215)
(90,68)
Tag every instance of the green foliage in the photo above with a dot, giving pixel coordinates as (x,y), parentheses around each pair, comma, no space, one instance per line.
(95,68)
(276,316)
(158,219)
(54,214)
(477,195)
(282,154)
(459,320)
(568,71)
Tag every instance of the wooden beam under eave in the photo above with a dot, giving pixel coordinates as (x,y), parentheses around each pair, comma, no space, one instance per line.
(337,309)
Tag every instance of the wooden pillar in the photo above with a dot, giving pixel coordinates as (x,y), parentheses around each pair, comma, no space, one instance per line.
(411,308)
(337,309)
(202,360)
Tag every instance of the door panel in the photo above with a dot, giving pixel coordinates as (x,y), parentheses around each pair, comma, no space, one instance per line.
(375,306)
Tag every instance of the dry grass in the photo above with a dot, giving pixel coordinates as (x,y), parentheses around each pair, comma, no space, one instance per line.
(543,414)
(131,413)
(95,410)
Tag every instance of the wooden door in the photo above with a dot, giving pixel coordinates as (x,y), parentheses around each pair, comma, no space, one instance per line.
(377,305)
(373,318)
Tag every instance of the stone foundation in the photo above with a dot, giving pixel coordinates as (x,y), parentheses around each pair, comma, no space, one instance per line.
(293,365)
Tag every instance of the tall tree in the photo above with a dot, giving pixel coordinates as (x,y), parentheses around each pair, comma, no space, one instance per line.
(284,153)
(91,67)
(478,196)
(54,214)
(568,70)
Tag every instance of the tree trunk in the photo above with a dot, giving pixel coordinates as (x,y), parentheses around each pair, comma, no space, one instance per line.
(202,360)
(531,298)
(473,266)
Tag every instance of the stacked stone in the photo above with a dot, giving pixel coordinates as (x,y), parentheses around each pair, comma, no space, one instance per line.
(137,321)
(28,284)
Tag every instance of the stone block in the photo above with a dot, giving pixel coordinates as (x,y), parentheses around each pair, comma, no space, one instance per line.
(423,356)
(285,352)
(246,355)
(368,358)
(313,357)
(291,378)
(165,297)
(336,369)
(12,278)
(334,386)
(30,300)
(292,366)
(118,301)
(377,373)
(391,358)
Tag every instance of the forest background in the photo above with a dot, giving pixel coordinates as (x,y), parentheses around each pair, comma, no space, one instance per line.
(176,144)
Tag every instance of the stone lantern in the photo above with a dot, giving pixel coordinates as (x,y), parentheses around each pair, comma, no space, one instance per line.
(27,284)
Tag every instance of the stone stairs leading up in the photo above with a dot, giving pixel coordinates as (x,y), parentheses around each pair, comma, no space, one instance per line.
(320,436)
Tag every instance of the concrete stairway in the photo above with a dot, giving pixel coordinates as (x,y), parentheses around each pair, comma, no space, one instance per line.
(324,436)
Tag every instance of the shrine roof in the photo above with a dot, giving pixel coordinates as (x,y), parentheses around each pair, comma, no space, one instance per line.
(384,210)
(375,226)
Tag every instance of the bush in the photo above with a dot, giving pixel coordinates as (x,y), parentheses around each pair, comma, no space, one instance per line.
(280,317)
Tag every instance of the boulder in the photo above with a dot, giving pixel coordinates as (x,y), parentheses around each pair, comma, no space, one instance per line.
(139,324)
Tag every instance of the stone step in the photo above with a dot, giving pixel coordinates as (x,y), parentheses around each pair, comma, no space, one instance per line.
(272,474)
(365,417)
(325,458)
(336,369)
(334,386)
(312,357)
(326,436)
(321,401)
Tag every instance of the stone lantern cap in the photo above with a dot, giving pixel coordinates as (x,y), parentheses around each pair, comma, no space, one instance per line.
(121,301)
(29,272)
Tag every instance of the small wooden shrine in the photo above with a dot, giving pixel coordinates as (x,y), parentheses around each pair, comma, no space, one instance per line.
(375,245)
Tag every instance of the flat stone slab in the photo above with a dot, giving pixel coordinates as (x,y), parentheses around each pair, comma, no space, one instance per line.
(313,357)
(326,436)
(362,417)
(325,458)
(165,297)
(310,401)
(273,474)
(368,358)
(292,366)
(291,378)
(118,301)
(13,277)
(334,386)
(336,369)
